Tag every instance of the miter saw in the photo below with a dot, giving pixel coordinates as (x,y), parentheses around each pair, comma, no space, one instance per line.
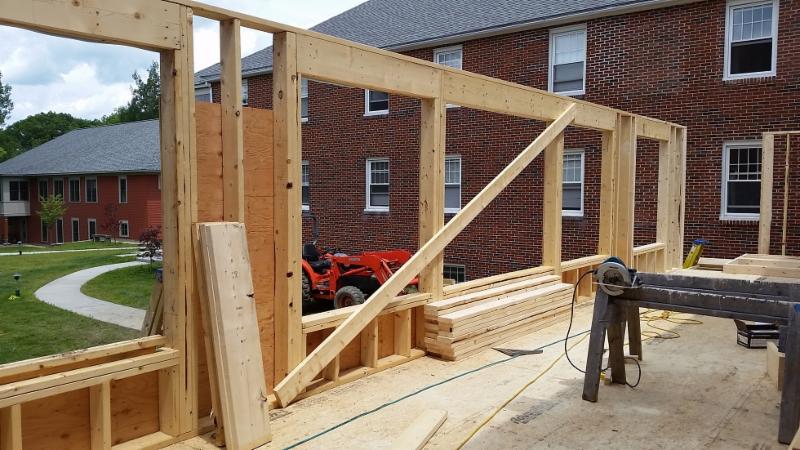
(613,276)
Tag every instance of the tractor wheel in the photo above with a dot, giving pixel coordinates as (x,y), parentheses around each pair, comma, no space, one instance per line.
(307,298)
(348,296)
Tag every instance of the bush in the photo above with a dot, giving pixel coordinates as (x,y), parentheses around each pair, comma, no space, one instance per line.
(150,239)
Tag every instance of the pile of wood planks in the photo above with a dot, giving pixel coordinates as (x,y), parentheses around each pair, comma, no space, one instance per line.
(467,322)
(764,265)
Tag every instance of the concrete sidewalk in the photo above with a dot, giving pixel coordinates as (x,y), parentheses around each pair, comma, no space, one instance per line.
(45,252)
(65,293)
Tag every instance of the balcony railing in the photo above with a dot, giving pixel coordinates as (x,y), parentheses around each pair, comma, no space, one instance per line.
(12,209)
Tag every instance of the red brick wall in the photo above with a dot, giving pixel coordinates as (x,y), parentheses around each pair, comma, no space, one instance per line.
(666,63)
(143,193)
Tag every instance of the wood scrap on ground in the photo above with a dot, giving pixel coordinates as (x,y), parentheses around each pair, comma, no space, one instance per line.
(235,335)
(421,430)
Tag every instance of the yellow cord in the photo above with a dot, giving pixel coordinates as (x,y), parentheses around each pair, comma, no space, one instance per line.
(648,317)
(516,394)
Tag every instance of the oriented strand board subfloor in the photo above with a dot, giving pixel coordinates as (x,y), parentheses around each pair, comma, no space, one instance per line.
(699,391)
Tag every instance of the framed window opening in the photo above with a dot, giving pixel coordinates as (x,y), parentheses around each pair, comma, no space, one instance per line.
(452,184)
(572,183)
(567,68)
(306,187)
(91,189)
(741,180)
(18,191)
(124,230)
(456,272)
(751,39)
(304,99)
(122,183)
(74,190)
(376,103)
(377,184)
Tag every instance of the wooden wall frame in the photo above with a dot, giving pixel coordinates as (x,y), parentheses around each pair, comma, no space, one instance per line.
(767,174)
(165,26)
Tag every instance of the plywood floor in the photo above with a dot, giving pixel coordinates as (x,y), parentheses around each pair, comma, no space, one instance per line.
(699,391)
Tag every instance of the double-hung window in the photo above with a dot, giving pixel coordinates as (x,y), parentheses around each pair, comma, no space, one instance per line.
(378,184)
(304,99)
(74,190)
(741,180)
(42,188)
(572,182)
(306,192)
(123,189)
(18,191)
(375,103)
(455,272)
(452,184)
(58,187)
(751,35)
(245,92)
(124,230)
(568,60)
(91,190)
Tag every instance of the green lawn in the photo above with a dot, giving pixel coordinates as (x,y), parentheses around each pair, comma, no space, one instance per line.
(84,245)
(30,328)
(129,286)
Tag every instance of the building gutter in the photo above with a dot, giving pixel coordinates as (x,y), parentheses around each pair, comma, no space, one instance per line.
(632,7)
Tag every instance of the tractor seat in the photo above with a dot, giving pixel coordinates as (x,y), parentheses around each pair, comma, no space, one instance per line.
(320,266)
(310,253)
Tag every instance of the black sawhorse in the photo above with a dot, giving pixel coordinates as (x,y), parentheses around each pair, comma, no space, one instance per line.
(761,301)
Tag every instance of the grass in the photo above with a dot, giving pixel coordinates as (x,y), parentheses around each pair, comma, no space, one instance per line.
(129,286)
(83,245)
(31,328)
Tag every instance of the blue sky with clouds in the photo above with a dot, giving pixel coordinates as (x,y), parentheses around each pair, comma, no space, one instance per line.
(89,80)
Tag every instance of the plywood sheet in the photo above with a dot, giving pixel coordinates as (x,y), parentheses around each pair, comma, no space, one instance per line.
(134,407)
(57,422)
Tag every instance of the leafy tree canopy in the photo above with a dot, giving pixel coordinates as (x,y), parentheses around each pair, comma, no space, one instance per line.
(145,101)
(6,105)
(35,130)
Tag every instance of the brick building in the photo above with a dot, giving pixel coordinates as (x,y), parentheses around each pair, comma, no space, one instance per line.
(105,175)
(729,70)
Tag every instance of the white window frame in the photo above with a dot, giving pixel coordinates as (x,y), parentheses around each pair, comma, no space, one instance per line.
(723,211)
(74,228)
(39,188)
(96,189)
(553,33)
(305,183)
(119,189)
(369,207)
(69,189)
(57,180)
(569,212)
(449,49)
(729,31)
(304,96)
(368,112)
(89,223)
(459,184)
(456,266)
(127,229)
(245,92)
(204,91)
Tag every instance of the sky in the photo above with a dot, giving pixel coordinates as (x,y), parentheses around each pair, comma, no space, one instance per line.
(90,80)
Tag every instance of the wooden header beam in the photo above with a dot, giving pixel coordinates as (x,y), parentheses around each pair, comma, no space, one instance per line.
(150,24)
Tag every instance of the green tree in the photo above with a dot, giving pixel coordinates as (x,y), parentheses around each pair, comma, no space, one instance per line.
(35,130)
(52,208)
(6,105)
(145,101)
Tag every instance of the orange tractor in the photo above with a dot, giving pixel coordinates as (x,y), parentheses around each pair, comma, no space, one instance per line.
(348,279)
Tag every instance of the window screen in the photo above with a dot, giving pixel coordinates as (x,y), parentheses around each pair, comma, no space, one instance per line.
(304,98)
(568,56)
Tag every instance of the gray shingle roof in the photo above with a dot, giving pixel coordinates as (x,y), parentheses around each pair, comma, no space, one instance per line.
(128,147)
(400,23)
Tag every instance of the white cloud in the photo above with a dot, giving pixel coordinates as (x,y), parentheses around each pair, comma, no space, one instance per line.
(89,80)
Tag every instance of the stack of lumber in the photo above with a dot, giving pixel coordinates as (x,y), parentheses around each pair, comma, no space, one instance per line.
(765,266)
(467,323)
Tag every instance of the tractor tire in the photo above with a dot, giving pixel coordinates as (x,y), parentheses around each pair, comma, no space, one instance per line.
(307,298)
(348,296)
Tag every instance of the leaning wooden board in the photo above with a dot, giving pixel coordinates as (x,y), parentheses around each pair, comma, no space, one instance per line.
(235,336)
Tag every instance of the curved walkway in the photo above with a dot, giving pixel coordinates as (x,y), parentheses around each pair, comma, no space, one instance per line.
(65,293)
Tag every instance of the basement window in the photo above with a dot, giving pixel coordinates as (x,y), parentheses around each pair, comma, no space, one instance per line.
(306,192)
(18,191)
(91,190)
(304,99)
(741,181)
(751,34)
(377,185)
(376,103)
(456,272)
(245,92)
(452,184)
(568,60)
(572,196)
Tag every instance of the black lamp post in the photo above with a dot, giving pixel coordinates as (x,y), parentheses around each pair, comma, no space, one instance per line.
(19,247)
(17,276)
